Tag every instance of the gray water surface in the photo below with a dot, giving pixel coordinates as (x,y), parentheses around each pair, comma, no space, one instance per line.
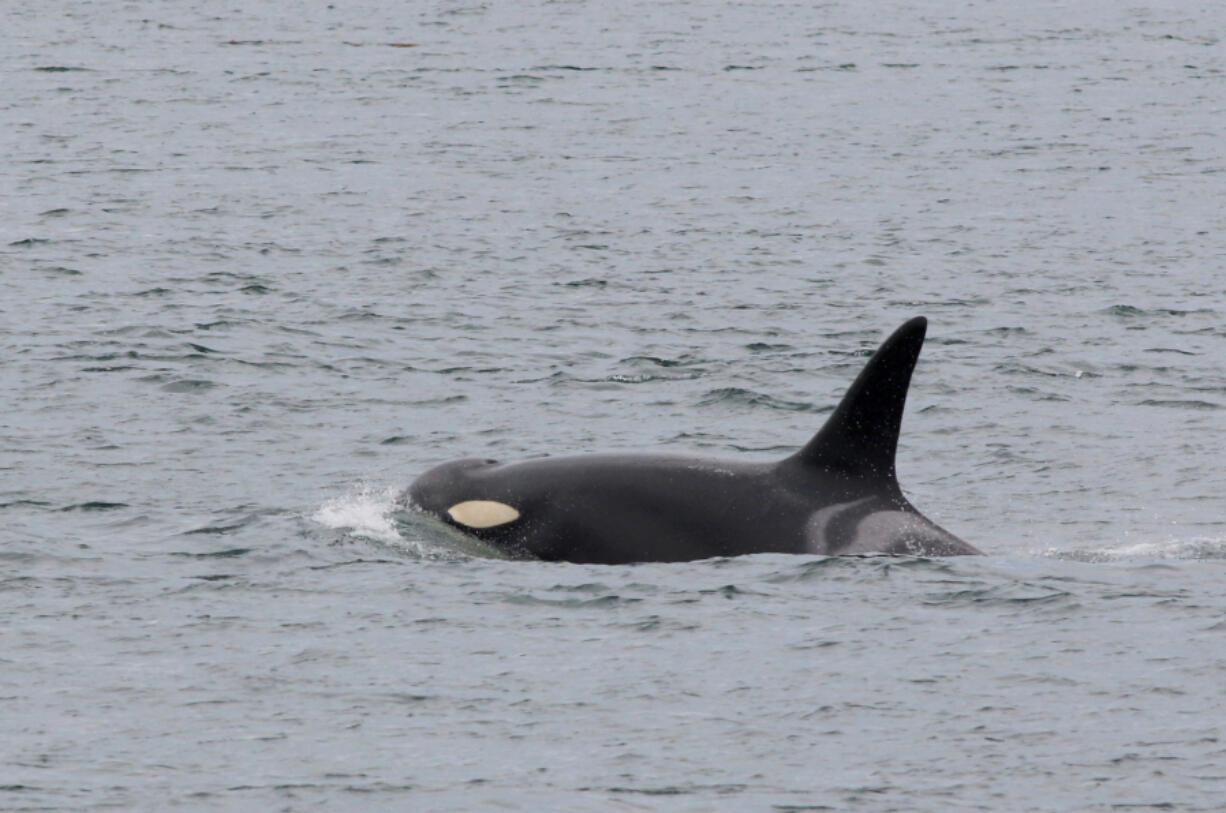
(261,266)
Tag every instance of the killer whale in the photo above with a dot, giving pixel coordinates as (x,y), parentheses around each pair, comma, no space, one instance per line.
(838,495)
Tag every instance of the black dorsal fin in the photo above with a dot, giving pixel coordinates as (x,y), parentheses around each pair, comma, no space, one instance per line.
(861,436)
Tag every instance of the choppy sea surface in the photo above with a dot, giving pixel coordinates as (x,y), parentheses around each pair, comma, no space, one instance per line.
(263,263)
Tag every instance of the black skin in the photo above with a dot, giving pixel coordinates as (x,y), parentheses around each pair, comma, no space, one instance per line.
(837,495)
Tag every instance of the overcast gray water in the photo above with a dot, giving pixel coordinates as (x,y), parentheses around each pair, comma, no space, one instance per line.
(261,264)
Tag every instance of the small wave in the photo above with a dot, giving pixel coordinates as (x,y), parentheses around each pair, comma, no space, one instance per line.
(739,396)
(32,504)
(1129,311)
(188,385)
(842,567)
(1195,548)
(218,529)
(1002,595)
(230,553)
(609,601)
(1179,403)
(95,505)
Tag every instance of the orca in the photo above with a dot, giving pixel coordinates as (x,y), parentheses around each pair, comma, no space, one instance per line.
(837,495)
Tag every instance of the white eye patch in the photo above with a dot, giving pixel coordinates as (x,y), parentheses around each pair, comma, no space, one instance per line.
(482,513)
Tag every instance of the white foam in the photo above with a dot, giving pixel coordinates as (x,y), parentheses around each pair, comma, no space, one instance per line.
(1194,548)
(366,510)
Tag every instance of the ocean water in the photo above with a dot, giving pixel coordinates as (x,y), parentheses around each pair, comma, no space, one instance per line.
(262,264)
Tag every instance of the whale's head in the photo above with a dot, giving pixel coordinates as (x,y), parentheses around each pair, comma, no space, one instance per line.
(464,493)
